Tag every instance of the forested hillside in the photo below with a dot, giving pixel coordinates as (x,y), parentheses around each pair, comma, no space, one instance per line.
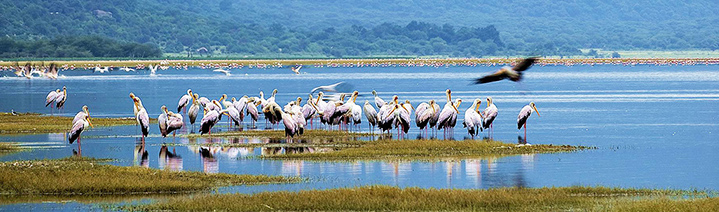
(371,27)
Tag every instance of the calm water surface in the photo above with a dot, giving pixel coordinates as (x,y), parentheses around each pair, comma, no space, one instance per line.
(654,126)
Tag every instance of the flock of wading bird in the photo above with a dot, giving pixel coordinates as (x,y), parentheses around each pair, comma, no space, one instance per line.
(389,115)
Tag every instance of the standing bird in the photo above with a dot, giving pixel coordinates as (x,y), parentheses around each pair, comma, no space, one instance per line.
(174,122)
(162,121)
(192,112)
(142,118)
(371,114)
(423,114)
(233,115)
(489,114)
(524,115)
(472,119)
(448,116)
(77,130)
(209,119)
(224,102)
(60,99)
(81,115)
(185,100)
(137,100)
(273,113)
(308,111)
(252,110)
(241,105)
(513,73)
(435,116)
(50,99)
(377,100)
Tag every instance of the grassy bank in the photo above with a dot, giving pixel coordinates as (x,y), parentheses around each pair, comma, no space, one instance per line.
(383,198)
(423,150)
(81,176)
(32,123)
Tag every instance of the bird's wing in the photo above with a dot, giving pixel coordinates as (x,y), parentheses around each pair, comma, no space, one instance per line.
(525,64)
(499,75)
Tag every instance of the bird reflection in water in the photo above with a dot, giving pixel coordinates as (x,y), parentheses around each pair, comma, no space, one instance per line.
(169,160)
(473,169)
(290,167)
(141,156)
(209,162)
(521,140)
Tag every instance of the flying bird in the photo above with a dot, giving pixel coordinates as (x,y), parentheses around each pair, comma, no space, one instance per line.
(513,73)
(296,69)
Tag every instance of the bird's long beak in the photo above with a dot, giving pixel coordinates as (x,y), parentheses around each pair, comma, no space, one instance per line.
(477,108)
(432,106)
(535,109)
(455,107)
(88,121)
(392,111)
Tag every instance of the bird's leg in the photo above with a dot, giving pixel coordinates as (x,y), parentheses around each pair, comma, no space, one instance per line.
(525,129)
(79,147)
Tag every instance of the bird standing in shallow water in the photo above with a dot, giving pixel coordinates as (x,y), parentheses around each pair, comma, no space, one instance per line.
(472,119)
(184,101)
(142,118)
(77,130)
(524,115)
(488,116)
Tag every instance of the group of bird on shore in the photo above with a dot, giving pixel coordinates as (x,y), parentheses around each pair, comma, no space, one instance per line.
(334,111)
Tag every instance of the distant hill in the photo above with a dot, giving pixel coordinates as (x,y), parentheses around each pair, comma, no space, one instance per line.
(333,27)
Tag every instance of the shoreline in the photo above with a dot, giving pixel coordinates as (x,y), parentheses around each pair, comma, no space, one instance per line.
(320,63)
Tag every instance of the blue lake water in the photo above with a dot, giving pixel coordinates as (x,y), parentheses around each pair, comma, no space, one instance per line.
(653,126)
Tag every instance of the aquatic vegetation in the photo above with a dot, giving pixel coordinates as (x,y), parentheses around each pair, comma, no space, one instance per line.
(383,198)
(88,176)
(426,150)
(29,123)
(8,148)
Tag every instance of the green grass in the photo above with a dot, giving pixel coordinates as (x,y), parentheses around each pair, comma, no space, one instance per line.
(422,150)
(83,176)
(386,198)
(7,148)
(33,123)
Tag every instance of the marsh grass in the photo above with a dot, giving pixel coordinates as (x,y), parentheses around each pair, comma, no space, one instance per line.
(425,150)
(32,123)
(384,198)
(87,176)
(7,148)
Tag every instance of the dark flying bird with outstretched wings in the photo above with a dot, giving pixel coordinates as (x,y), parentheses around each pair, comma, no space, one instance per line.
(513,73)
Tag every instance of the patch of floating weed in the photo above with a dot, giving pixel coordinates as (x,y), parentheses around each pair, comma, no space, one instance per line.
(427,150)
(32,123)
(88,176)
(7,148)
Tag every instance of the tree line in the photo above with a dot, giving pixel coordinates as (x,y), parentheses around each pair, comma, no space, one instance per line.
(75,46)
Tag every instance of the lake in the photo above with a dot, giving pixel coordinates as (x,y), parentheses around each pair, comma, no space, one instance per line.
(653,126)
